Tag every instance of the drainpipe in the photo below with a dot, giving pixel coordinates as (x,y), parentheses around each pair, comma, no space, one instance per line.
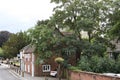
(32,65)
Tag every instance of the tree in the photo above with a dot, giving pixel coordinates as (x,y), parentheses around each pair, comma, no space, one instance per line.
(81,15)
(49,40)
(1,53)
(4,36)
(42,37)
(95,48)
(72,17)
(78,15)
(14,44)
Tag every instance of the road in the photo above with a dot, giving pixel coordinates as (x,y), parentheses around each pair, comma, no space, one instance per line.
(7,74)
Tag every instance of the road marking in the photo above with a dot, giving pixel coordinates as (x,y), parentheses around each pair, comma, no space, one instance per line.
(14,74)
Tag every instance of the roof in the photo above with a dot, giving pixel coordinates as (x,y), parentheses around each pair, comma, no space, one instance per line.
(28,49)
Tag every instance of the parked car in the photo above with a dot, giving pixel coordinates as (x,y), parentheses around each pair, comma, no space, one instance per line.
(53,73)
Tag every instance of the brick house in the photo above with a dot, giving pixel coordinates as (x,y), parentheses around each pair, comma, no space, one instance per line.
(31,65)
(27,59)
(29,62)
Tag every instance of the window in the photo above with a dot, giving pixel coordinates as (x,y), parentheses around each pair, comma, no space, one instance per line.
(46,68)
(70,52)
(28,68)
(27,57)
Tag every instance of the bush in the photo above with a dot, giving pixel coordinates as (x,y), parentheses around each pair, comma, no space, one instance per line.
(84,64)
(94,63)
(117,65)
(59,59)
(98,64)
(106,65)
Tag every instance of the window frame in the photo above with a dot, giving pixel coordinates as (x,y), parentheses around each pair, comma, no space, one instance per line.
(46,68)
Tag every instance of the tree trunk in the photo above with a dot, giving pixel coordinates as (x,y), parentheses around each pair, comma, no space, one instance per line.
(89,36)
(78,55)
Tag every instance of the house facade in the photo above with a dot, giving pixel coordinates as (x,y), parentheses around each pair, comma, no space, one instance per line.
(31,65)
(27,58)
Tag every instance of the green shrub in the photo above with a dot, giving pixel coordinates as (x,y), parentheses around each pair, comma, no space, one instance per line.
(59,59)
(84,64)
(106,65)
(94,63)
(99,64)
(117,65)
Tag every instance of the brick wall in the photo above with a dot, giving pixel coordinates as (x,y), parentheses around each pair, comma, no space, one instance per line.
(38,67)
(75,75)
(50,61)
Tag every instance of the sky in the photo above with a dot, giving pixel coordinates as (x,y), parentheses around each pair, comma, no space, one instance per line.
(20,15)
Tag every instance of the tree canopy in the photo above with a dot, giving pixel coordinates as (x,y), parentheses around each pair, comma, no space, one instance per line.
(61,34)
(114,31)
(4,36)
(14,44)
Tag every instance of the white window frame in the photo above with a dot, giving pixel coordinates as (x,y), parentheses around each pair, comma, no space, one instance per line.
(25,67)
(46,68)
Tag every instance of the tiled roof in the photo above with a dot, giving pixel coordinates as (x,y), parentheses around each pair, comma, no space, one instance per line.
(29,49)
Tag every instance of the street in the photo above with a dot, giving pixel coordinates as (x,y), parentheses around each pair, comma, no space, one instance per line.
(7,74)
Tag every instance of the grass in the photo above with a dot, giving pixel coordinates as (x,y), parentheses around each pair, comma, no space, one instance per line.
(17,63)
(73,68)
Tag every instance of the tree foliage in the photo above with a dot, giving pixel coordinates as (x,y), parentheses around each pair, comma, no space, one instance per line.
(114,31)
(61,34)
(83,15)
(14,44)
(1,53)
(98,64)
(42,38)
(4,36)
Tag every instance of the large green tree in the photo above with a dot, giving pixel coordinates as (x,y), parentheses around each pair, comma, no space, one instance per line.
(78,15)
(72,17)
(81,15)
(4,36)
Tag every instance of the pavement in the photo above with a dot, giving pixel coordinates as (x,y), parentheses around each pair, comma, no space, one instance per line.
(29,77)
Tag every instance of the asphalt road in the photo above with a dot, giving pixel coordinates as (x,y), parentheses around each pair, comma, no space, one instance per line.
(7,74)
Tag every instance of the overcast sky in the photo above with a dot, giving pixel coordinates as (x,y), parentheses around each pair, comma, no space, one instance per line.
(17,15)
